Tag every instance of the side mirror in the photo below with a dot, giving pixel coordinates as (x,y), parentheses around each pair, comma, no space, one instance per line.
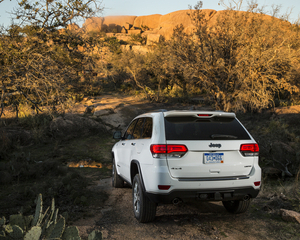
(117,135)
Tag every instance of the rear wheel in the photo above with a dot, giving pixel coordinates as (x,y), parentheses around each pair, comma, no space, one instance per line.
(144,209)
(237,206)
(117,181)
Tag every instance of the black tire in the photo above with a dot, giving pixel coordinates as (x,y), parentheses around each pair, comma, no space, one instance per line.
(117,181)
(236,206)
(144,209)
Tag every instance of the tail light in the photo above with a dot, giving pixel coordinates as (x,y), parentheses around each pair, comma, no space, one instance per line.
(256,184)
(164,187)
(249,150)
(172,150)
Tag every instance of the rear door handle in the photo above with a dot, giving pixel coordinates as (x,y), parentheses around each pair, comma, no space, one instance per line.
(133,144)
(123,144)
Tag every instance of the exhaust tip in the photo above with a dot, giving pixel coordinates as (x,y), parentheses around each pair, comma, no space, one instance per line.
(246,198)
(176,201)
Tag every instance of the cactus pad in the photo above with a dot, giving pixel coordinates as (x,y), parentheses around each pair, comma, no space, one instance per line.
(2,234)
(58,229)
(71,233)
(18,220)
(7,228)
(38,211)
(28,220)
(16,233)
(2,221)
(95,235)
(33,234)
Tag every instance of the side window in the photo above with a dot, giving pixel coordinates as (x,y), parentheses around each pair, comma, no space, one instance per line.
(137,134)
(129,132)
(147,130)
(139,128)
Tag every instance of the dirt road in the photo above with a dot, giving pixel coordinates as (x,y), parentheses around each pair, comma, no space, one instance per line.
(193,220)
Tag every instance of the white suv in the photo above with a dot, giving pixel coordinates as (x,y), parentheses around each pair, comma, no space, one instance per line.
(172,156)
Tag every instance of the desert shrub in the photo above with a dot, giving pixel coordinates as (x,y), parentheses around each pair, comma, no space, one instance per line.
(278,139)
(245,61)
(137,38)
(41,56)
(114,44)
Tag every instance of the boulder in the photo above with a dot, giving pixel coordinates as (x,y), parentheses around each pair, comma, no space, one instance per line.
(225,14)
(125,47)
(71,125)
(154,38)
(290,216)
(93,24)
(102,112)
(150,21)
(115,23)
(110,35)
(135,31)
(169,22)
(123,37)
(89,109)
(140,49)
(73,27)
(127,26)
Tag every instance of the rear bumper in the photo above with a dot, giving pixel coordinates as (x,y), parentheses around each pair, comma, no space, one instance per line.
(204,195)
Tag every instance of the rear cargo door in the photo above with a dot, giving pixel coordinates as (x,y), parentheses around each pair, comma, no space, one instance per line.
(213,145)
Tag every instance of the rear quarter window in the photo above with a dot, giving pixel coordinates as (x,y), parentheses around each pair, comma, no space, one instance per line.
(193,128)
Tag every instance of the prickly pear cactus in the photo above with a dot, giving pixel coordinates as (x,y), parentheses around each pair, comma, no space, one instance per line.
(7,228)
(33,234)
(16,233)
(2,221)
(58,229)
(95,235)
(71,233)
(55,216)
(18,220)
(65,215)
(38,211)
(28,220)
(2,235)
(47,231)
(52,209)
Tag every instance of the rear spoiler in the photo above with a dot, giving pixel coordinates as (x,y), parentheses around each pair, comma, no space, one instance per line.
(199,114)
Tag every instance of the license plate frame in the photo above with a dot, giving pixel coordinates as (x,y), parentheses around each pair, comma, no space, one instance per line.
(213,158)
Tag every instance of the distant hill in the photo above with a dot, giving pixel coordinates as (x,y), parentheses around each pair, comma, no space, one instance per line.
(156,23)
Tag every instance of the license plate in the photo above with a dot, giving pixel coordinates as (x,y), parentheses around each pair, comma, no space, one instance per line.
(213,157)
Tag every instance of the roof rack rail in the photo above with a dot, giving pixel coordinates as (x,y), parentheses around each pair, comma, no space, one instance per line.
(160,110)
(157,110)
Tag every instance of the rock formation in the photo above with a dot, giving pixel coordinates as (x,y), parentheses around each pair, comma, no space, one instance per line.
(157,27)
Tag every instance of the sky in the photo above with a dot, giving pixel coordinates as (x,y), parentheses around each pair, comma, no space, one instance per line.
(141,7)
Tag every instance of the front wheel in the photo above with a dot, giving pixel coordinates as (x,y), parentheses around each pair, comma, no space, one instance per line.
(117,181)
(237,206)
(144,209)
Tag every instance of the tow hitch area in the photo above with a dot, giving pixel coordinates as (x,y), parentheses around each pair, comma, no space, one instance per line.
(218,196)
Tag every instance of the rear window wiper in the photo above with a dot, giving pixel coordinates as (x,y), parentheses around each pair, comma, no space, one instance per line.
(223,136)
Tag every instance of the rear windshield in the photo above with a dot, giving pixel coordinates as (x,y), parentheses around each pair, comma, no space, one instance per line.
(192,128)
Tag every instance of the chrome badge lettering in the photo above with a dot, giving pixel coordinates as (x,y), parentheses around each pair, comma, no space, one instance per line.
(215,145)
